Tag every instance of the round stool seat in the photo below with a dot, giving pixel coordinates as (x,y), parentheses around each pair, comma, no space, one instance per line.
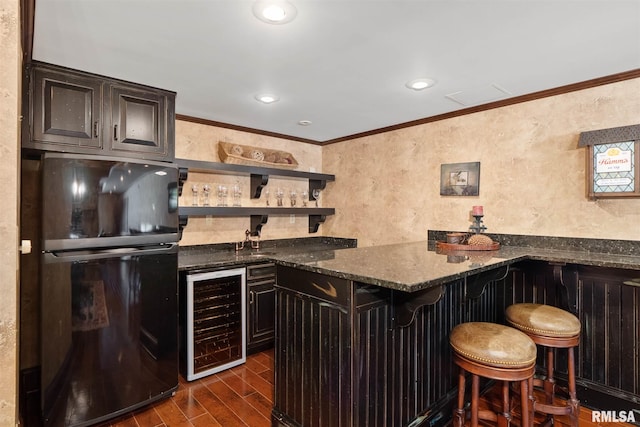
(543,320)
(492,344)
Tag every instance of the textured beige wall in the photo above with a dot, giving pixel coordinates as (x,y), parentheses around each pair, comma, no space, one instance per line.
(200,142)
(9,166)
(532,174)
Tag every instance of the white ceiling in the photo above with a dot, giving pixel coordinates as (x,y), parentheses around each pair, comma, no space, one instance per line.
(342,64)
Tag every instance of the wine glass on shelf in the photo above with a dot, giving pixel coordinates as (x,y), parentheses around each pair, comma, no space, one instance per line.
(237,194)
(206,191)
(316,195)
(194,192)
(279,196)
(266,195)
(305,196)
(222,195)
(293,196)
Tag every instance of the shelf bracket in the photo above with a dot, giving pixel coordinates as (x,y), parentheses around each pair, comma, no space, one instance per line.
(257,221)
(183,173)
(258,182)
(477,283)
(566,291)
(316,184)
(182,223)
(315,221)
(405,304)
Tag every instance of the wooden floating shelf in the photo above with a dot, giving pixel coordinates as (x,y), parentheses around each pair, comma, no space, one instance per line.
(259,179)
(226,168)
(258,215)
(244,211)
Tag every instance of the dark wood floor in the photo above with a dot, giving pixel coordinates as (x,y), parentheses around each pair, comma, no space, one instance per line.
(241,396)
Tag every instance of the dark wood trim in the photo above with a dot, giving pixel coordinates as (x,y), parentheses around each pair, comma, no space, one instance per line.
(27,13)
(208,122)
(614,78)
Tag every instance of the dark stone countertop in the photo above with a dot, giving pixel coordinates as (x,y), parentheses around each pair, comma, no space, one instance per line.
(224,254)
(415,266)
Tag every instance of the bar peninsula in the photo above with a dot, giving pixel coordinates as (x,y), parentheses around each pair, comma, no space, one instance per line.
(362,333)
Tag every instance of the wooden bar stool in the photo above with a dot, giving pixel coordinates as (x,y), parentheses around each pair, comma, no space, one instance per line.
(551,328)
(496,352)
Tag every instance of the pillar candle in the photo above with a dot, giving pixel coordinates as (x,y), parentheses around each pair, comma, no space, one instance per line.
(477,210)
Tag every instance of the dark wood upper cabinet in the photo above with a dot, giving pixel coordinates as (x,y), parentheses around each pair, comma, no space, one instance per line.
(73,111)
(66,109)
(138,120)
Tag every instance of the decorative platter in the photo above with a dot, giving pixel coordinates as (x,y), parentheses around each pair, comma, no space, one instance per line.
(254,156)
(464,247)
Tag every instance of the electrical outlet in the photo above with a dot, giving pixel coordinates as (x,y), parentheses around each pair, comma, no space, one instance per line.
(292,219)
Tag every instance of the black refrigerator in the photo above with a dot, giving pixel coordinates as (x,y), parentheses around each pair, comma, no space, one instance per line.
(108,286)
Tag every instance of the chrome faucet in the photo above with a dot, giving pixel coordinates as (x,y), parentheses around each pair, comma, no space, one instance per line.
(254,244)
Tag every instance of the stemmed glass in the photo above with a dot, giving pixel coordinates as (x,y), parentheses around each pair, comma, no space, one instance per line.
(237,194)
(266,195)
(293,196)
(194,192)
(222,195)
(206,191)
(305,197)
(279,196)
(316,195)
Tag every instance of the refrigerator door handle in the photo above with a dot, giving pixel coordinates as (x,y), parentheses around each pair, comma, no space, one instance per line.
(91,254)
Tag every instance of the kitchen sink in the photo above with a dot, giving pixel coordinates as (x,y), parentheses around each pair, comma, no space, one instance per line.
(258,254)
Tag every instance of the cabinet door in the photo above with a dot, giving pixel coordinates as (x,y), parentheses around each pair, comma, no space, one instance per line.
(138,121)
(261,314)
(66,108)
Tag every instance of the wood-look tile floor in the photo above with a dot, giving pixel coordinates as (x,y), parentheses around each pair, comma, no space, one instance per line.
(492,400)
(243,396)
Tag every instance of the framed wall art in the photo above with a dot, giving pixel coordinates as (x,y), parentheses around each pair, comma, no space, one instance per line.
(612,162)
(460,179)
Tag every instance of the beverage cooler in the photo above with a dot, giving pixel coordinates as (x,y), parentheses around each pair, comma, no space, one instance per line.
(212,319)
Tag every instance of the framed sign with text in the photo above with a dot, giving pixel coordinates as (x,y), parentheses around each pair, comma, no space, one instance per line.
(613,162)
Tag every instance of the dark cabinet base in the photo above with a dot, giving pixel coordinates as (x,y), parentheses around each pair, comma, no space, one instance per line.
(261,279)
(342,360)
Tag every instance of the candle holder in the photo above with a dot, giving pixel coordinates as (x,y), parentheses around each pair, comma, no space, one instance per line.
(477,226)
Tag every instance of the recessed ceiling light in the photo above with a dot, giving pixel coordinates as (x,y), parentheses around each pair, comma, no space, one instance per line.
(274,11)
(267,98)
(419,84)
(304,122)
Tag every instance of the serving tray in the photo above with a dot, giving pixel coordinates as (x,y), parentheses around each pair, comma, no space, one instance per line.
(464,247)
(238,154)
